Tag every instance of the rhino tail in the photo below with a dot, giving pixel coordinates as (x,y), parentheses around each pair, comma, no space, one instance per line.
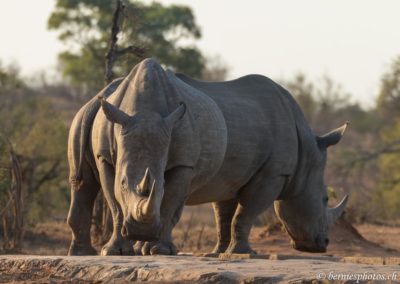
(76,183)
(80,132)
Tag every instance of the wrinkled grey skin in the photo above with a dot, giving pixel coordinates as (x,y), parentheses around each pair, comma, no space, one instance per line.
(160,141)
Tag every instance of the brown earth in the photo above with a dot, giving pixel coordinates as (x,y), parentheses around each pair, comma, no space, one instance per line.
(196,233)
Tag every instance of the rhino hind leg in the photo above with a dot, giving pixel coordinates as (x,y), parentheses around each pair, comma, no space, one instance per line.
(224,211)
(254,198)
(80,214)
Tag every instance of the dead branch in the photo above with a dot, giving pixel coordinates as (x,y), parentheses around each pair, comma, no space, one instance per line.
(200,236)
(12,216)
(185,236)
(111,54)
(49,175)
(135,50)
(365,157)
(16,187)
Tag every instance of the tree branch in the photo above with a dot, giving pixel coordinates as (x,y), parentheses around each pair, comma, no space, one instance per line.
(135,50)
(49,175)
(111,54)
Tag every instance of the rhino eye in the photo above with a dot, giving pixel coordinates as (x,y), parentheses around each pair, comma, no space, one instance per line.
(124,184)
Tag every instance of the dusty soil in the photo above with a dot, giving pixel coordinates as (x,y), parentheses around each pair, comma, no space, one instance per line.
(345,240)
(196,233)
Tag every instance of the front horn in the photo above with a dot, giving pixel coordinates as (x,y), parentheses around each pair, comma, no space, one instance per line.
(335,213)
(149,207)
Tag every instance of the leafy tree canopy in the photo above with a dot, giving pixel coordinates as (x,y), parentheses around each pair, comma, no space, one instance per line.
(85,27)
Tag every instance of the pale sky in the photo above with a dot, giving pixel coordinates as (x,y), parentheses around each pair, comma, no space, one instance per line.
(352,41)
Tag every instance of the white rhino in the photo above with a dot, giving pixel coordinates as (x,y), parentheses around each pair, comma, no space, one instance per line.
(162,140)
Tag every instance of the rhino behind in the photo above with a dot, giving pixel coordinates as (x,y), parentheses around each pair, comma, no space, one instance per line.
(163,140)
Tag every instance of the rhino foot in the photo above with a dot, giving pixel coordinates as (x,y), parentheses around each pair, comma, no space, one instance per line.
(117,247)
(154,248)
(137,248)
(241,248)
(220,248)
(81,249)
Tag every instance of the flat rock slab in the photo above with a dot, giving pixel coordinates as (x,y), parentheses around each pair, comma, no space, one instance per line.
(188,269)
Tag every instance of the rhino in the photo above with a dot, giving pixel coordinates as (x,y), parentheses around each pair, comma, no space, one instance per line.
(156,141)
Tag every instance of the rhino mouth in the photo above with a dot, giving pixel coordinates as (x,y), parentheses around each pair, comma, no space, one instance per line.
(307,247)
(319,245)
(133,230)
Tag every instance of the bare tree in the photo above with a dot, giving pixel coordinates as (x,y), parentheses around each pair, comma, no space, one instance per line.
(12,213)
(113,52)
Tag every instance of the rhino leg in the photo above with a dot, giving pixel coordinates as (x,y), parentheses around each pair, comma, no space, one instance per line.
(80,214)
(177,184)
(224,211)
(117,245)
(254,198)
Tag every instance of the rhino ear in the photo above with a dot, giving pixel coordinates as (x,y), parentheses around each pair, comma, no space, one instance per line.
(332,137)
(176,115)
(112,113)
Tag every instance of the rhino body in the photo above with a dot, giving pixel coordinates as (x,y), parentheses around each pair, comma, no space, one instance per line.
(156,141)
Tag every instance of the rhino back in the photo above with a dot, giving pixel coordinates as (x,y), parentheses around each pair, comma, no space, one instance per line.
(261,130)
(78,140)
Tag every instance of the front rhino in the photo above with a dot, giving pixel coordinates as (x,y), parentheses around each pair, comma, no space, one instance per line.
(142,142)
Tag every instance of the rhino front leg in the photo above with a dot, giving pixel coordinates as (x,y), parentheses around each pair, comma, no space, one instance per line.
(117,245)
(254,198)
(80,214)
(224,211)
(177,184)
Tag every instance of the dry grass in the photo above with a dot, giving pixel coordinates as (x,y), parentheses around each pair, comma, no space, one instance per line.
(196,230)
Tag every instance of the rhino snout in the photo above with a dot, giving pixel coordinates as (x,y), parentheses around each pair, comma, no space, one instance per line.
(143,232)
(319,244)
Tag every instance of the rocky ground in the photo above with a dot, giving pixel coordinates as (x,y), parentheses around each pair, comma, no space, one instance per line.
(362,251)
(195,269)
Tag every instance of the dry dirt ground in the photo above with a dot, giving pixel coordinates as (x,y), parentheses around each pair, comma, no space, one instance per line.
(196,233)
(369,245)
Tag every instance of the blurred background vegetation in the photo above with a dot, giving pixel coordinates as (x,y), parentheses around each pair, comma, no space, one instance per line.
(35,116)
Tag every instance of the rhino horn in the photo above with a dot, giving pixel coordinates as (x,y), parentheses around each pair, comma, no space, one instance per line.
(335,213)
(176,115)
(332,137)
(144,183)
(112,113)
(150,206)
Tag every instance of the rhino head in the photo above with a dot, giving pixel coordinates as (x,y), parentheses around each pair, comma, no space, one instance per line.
(142,149)
(305,213)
